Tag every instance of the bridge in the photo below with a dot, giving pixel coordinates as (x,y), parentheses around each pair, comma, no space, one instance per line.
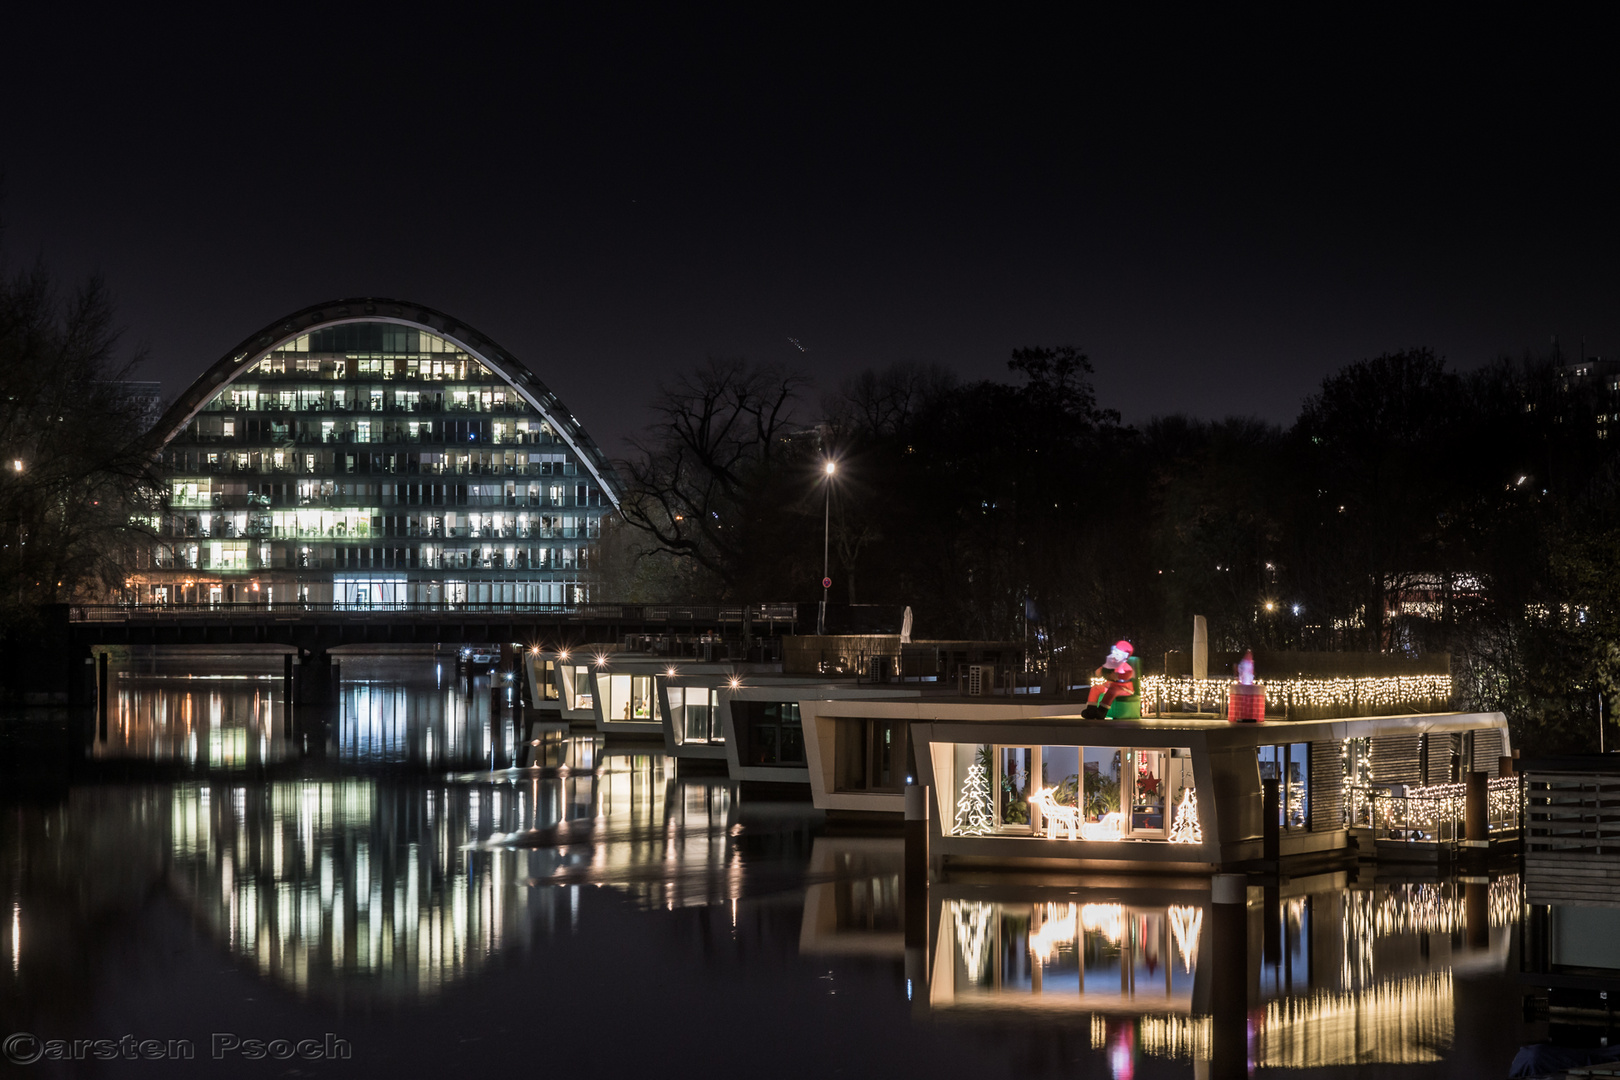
(61,662)
(318,627)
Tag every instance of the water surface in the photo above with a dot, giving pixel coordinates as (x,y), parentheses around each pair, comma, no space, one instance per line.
(426,875)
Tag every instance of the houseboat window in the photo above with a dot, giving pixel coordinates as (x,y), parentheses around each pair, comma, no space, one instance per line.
(1357,757)
(771,732)
(582,695)
(871,755)
(1013,786)
(549,681)
(677,711)
(1060,774)
(625,697)
(692,715)
(1146,770)
(1101,788)
(1290,766)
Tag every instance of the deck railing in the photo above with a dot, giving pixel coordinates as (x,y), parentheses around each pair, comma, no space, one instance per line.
(1435,814)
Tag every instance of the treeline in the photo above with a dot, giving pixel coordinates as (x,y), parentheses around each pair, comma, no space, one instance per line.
(1411,508)
(73,466)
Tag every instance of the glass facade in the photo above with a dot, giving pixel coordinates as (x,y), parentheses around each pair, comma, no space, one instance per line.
(1080,792)
(372,465)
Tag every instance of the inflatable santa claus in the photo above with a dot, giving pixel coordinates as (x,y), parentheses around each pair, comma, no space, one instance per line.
(1119,680)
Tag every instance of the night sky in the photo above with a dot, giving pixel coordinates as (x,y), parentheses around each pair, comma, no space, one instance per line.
(1219,212)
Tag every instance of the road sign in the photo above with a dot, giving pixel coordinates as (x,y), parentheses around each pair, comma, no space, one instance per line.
(826,583)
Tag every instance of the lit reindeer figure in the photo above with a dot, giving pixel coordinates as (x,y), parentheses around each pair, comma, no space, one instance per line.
(1056,816)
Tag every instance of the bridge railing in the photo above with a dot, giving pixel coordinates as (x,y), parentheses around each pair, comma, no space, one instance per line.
(596,612)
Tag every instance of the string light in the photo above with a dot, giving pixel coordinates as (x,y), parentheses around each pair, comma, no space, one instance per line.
(1363,692)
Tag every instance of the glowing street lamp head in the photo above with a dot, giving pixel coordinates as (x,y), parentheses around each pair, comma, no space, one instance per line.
(16,465)
(831,467)
(670,672)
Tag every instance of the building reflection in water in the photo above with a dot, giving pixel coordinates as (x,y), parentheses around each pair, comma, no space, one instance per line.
(209,722)
(361,886)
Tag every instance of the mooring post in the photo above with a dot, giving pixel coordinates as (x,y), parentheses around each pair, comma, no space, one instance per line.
(1476,806)
(1270,824)
(1229,996)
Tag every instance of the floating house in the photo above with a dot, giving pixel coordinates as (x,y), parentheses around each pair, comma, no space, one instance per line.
(1164,781)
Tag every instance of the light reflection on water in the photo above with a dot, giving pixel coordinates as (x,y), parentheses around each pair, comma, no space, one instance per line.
(399,846)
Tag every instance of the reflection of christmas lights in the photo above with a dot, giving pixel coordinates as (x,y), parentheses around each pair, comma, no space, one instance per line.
(1105,919)
(1186,922)
(1058,923)
(1185,1037)
(1409,1021)
(972,920)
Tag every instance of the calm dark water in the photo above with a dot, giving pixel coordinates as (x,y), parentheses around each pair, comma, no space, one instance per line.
(413,877)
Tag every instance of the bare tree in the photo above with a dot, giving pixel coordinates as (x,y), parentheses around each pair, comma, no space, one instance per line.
(74,471)
(722,430)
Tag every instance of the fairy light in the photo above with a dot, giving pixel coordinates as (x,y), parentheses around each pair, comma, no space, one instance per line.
(1366,691)
(1437,804)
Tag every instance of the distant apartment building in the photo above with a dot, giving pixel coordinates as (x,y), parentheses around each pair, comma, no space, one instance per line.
(1590,393)
(372,453)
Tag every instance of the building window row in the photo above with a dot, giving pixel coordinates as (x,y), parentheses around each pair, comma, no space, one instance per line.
(252,430)
(244,555)
(326,462)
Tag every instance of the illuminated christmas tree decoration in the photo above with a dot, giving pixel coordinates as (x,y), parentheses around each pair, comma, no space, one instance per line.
(975,813)
(1186,829)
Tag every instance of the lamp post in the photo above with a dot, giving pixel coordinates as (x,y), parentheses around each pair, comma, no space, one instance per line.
(829,468)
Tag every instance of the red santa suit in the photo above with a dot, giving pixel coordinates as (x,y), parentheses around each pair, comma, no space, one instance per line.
(1119,676)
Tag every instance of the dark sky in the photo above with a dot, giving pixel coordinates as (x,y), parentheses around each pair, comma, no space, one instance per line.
(1219,212)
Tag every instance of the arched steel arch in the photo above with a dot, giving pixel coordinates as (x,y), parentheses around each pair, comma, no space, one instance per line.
(256,346)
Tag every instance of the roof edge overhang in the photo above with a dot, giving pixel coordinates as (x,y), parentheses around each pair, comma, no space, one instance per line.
(257,346)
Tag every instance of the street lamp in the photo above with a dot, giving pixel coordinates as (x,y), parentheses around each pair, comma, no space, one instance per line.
(829,469)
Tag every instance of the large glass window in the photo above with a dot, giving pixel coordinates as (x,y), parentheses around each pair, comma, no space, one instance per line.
(692,715)
(771,732)
(1064,792)
(626,697)
(1290,766)
(1014,767)
(1100,791)
(1146,770)
(871,755)
(583,698)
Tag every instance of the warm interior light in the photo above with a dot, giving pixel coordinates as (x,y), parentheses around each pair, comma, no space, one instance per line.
(670,672)
(735,683)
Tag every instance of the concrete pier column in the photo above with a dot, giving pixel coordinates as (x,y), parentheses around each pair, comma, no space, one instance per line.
(916,866)
(915,886)
(103,685)
(103,695)
(1229,997)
